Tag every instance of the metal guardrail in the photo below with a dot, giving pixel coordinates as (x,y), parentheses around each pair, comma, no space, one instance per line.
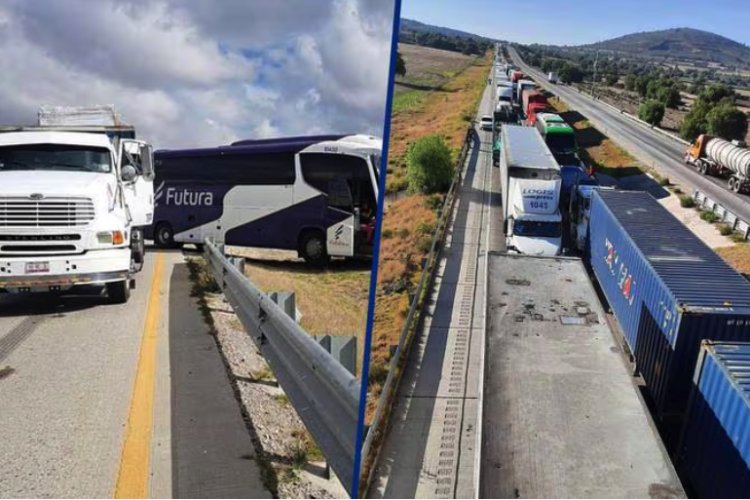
(725,216)
(324,393)
(373,441)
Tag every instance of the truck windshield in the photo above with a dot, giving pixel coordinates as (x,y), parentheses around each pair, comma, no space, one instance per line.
(533,228)
(55,157)
(561,143)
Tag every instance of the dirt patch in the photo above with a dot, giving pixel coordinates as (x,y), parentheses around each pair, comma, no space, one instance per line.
(428,68)
(737,256)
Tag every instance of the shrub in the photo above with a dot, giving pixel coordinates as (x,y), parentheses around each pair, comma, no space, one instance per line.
(687,201)
(426,228)
(651,112)
(664,181)
(676,190)
(387,233)
(737,237)
(725,230)
(425,243)
(403,233)
(709,216)
(433,201)
(429,167)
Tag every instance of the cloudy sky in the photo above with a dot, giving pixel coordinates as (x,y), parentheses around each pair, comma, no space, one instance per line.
(201,72)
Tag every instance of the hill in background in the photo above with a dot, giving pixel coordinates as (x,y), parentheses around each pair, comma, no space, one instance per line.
(439,37)
(679,44)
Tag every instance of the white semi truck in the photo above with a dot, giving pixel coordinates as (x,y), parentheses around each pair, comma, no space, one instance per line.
(75,194)
(531,184)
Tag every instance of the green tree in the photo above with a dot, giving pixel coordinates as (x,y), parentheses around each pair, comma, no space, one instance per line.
(570,73)
(726,121)
(641,84)
(651,111)
(630,80)
(429,167)
(716,93)
(612,79)
(669,95)
(695,122)
(400,65)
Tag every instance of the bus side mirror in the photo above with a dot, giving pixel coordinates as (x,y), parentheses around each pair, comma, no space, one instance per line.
(147,161)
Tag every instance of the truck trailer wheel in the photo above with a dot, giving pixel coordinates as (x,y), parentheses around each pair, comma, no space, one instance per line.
(118,291)
(312,248)
(164,235)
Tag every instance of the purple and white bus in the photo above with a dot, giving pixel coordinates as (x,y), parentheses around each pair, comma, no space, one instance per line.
(316,195)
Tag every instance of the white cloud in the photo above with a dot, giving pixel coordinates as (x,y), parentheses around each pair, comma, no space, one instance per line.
(194,73)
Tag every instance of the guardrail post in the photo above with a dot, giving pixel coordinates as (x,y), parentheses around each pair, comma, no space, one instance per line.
(287,302)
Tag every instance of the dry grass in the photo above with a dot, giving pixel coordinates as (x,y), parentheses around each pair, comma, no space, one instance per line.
(344,285)
(737,256)
(428,67)
(446,111)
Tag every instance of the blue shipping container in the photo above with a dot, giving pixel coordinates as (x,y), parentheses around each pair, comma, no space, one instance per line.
(714,453)
(667,289)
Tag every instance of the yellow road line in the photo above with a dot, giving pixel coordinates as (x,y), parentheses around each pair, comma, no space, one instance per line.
(132,478)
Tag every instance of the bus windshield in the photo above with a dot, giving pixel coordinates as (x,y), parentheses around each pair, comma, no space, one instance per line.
(534,228)
(60,157)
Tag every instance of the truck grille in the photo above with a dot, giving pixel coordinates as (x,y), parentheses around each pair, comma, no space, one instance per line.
(48,212)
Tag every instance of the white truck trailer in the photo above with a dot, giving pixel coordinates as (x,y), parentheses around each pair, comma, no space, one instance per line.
(715,156)
(531,184)
(75,194)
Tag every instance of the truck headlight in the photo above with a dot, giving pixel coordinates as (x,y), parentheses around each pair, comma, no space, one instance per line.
(110,237)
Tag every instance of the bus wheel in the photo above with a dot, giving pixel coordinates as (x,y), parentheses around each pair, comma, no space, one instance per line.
(164,235)
(312,248)
(118,291)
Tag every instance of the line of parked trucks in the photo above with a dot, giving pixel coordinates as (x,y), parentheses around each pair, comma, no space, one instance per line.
(683,312)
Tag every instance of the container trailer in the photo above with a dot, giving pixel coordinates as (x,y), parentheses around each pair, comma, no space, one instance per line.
(560,411)
(667,289)
(715,156)
(714,451)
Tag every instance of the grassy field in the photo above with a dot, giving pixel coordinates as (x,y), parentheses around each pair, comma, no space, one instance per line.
(332,301)
(409,223)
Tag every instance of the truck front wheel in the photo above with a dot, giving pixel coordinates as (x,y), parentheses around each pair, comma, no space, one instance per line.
(118,291)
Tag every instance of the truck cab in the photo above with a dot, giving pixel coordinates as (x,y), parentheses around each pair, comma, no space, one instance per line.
(534,225)
(73,203)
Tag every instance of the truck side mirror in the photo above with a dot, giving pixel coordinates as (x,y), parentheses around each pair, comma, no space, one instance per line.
(128,173)
(147,161)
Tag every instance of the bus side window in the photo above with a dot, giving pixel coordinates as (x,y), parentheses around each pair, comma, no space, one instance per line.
(339,194)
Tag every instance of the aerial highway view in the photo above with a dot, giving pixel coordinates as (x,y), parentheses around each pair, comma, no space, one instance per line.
(184,192)
(572,319)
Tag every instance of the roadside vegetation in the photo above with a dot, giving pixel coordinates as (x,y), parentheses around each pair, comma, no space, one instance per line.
(688,100)
(426,137)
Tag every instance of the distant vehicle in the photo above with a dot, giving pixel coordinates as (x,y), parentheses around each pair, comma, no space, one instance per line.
(552,77)
(533,102)
(557,134)
(530,180)
(486,122)
(521,87)
(75,194)
(504,94)
(516,75)
(715,156)
(316,195)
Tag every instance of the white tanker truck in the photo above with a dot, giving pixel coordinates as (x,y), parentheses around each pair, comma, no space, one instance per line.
(715,156)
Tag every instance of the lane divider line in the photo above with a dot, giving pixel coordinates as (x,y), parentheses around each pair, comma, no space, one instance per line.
(133,474)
